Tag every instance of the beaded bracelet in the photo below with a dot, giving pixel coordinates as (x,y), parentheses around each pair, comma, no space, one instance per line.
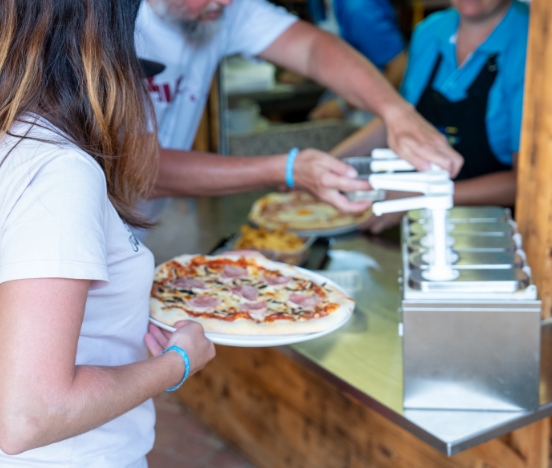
(186,360)
(289,166)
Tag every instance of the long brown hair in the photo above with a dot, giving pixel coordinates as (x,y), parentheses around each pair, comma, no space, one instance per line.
(73,62)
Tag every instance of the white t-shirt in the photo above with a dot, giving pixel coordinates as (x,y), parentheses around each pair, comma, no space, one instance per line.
(180,92)
(56,221)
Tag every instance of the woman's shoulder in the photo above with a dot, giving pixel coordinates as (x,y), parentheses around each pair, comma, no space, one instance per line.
(521,9)
(519,16)
(35,149)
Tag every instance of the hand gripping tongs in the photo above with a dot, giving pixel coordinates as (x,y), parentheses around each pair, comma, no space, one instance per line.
(437,198)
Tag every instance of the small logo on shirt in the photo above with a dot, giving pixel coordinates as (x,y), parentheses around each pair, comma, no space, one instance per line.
(134,243)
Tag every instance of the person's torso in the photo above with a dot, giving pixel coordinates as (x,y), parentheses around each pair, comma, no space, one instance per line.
(371,27)
(180,92)
(114,323)
(437,37)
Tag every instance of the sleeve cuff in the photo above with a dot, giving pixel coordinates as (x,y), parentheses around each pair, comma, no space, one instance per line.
(97,273)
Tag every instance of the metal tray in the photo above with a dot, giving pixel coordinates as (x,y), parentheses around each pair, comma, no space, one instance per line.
(497,228)
(476,260)
(469,244)
(316,258)
(471,214)
(505,280)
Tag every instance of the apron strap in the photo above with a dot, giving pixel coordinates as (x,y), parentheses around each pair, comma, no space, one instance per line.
(435,70)
(484,81)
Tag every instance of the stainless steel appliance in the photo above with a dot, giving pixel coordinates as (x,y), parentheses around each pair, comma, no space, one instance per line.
(470,313)
(473,342)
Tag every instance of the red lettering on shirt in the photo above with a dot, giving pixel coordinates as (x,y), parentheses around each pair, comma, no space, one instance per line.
(164,92)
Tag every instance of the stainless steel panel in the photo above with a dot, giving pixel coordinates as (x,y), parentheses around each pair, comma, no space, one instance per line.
(475,359)
(366,195)
(471,214)
(504,280)
(475,260)
(498,228)
(362,165)
(469,244)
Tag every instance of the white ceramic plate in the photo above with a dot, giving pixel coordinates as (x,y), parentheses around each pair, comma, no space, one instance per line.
(259,341)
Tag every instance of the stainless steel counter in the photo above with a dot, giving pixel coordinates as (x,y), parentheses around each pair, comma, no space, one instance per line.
(364,358)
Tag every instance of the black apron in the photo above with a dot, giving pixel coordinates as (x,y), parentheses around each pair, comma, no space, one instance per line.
(463,122)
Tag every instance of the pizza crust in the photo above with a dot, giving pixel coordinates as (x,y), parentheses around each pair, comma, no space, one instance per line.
(170,315)
(301,211)
(249,327)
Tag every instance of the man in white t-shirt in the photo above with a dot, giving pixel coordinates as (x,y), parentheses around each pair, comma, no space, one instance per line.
(190,37)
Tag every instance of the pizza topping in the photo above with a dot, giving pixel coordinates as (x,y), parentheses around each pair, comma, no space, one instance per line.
(247,292)
(242,289)
(256,310)
(304,300)
(253,306)
(204,302)
(188,283)
(231,271)
(274,279)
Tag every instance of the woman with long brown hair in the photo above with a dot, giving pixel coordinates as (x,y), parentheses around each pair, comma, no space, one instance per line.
(76,152)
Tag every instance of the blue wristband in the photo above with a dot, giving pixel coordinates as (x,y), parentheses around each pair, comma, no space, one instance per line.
(186,360)
(289,166)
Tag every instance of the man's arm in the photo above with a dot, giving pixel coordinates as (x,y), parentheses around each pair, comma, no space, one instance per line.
(331,62)
(331,109)
(193,173)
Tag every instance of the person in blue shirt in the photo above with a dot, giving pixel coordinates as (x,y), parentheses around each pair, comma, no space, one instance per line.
(372,28)
(465,75)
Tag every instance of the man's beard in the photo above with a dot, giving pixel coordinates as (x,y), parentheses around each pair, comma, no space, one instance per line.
(195,31)
(199,32)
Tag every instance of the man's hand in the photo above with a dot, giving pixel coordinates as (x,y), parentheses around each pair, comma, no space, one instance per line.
(414,139)
(325,177)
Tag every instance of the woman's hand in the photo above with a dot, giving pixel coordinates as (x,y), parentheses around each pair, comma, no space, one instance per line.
(189,336)
(326,177)
(378,224)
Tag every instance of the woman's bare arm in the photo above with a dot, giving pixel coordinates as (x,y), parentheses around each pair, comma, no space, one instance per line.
(498,188)
(44,397)
(361,143)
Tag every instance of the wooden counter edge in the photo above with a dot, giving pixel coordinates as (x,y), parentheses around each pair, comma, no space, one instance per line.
(281,414)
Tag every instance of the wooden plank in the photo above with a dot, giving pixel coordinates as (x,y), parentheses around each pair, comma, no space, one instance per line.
(207,136)
(282,415)
(534,197)
(532,443)
(214,116)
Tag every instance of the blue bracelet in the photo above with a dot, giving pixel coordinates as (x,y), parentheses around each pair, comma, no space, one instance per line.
(289,166)
(186,360)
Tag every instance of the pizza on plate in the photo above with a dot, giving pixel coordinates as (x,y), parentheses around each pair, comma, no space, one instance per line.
(246,295)
(298,211)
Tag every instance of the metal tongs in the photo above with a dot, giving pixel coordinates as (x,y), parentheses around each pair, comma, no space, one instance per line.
(437,189)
